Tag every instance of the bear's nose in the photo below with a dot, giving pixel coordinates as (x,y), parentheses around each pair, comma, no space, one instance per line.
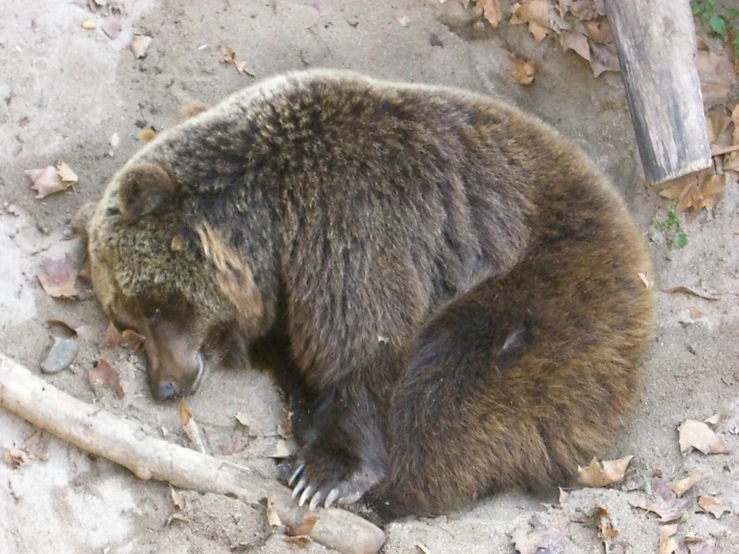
(166,390)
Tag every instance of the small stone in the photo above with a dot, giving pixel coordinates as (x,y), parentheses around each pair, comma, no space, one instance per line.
(61,354)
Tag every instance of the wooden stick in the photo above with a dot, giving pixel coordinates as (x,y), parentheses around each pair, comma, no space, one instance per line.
(656,47)
(97,431)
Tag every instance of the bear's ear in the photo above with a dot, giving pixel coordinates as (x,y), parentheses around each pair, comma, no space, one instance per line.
(143,190)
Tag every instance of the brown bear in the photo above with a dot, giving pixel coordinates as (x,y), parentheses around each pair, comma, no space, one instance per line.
(446,289)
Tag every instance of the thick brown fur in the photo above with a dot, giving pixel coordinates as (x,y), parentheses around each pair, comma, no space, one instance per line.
(446,289)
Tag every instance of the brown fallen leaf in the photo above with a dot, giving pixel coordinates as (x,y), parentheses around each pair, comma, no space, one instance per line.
(697,435)
(112,336)
(576,42)
(229,56)
(611,471)
(716,75)
(492,10)
(105,376)
(606,531)
(59,277)
(305,527)
(131,339)
(146,134)
(687,290)
(712,505)
(66,174)
(46,181)
(603,57)
(301,541)
(667,542)
(177,499)
(661,500)
(189,426)
(139,45)
(598,30)
(15,457)
(403,19)
(272,517)
(681,486)
(524,71)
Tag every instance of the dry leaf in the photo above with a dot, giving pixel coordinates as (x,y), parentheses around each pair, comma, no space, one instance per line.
(89,25)
(523,71)
(612,471)
(58,277)
(576,42)
(46,181)
(603,57)
(696,192)
(714,420)
(598,30)
(491,9)
(687,290)
(305,528)
(712,505)
(716,74)
(667,542)
(563,495)
(242,419)
(192,109)
(404,20)
(146,134)
(65,173)
(112,336)
(139,44)
(131,339)
(177,499)
(698,435)
(606,531)
(15,457)
(662,501)
(281,450)
(189,426)
(681,486)
(229,56)
(272,517)
(105,376)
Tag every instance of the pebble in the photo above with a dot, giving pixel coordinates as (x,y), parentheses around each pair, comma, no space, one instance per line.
(60,355)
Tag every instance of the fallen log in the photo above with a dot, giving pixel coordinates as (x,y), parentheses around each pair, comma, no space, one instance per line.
(95,430)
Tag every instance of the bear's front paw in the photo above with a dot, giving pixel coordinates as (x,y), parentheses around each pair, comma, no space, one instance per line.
(328,479)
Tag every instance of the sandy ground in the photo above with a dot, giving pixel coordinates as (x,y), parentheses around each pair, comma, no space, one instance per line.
(64,91)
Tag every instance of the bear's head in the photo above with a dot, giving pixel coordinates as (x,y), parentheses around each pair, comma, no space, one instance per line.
(160,270)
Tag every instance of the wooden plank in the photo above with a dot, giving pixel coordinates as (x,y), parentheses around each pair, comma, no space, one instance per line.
(655,40)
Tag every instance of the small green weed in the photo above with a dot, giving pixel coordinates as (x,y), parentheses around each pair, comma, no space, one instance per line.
(670,228)
(722,24)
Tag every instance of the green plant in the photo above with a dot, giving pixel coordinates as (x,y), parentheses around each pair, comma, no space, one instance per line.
(670,228)
(722,24)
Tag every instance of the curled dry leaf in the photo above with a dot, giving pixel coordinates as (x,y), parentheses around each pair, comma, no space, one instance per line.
(59,277)
(229,56)
(65,173)
(189,426)
(131,339)
(661,500)
(492,10)
(712,505)
(610,472)
(681,486)
(272,517)
(524,71)
(667,542)
(536,14)
(105,376)
(46,181)
(177,499)
(139,45)
(699,436)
